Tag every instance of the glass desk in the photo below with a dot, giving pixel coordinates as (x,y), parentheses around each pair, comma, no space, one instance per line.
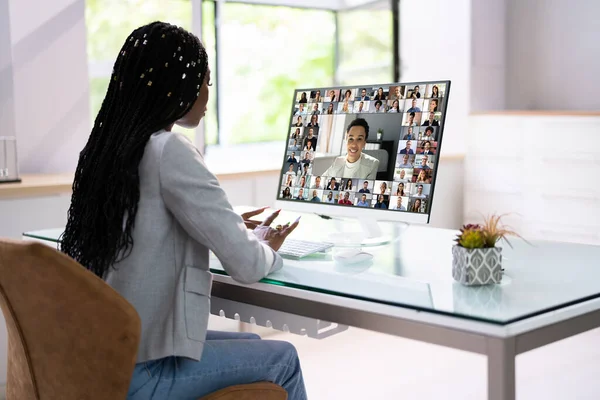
(550,291)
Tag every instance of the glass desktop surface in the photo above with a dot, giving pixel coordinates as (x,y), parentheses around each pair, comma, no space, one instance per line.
(415,272)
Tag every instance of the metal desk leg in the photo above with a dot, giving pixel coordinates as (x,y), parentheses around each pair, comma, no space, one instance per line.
(501,369)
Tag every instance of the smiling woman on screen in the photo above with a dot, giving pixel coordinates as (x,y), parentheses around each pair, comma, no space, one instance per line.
(355,164)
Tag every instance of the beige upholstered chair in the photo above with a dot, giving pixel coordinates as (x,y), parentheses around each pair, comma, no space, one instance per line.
(70,335)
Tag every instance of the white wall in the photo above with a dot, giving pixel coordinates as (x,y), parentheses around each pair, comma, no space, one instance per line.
(32,213)
(50,77)
(548,192)
(7,108)
(435,45)
(488,55)
(552,54)
(534,55)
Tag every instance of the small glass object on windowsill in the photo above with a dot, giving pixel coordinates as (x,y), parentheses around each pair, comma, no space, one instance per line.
(9,171)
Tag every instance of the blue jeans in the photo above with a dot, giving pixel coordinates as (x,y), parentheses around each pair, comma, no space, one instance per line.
(229,358)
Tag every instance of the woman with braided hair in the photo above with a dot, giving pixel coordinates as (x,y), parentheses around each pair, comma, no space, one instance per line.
(145,211)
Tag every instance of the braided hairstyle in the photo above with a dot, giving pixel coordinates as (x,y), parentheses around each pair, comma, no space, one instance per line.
(155,82)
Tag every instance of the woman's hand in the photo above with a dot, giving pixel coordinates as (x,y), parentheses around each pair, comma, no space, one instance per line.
(274,237)
(251,223)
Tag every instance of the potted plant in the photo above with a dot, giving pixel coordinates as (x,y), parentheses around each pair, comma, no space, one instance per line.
(379,134)
(476,258)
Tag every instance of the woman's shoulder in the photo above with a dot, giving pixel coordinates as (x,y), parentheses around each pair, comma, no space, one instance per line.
(164,138)
(175,141)
(155,147)
(176,150)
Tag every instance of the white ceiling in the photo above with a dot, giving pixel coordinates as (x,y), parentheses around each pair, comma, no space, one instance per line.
(337,5)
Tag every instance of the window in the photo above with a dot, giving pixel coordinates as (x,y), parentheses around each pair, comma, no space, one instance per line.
(365,53)
(265,52)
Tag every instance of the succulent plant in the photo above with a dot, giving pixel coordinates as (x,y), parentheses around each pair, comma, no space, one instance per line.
(465,228)
(471,237)
(470,227)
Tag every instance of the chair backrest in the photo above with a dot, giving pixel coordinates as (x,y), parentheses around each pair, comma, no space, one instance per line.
(383,157)
(70,335)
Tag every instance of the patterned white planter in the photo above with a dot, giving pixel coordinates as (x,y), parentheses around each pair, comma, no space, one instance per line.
(476,267)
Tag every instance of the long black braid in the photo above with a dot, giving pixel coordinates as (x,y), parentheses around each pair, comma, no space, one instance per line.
(156,80)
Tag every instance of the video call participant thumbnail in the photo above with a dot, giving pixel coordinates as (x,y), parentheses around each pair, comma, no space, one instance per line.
(417,205)
(407,148)
(426,148)
(379,107)
(317,183)
(329,197)
(300,110)
(382,202)
(431,121)
(345,201)
(355,164)
(429,134)
(286,193)
(299,122)
(365,188)
(288,180)
(394,107)
(315,197)
(302,182)
(333,184)
(398,205)
(419,194)
(421,176)
(300,195)
(291,169)
(310,138)
(380,94)
(364,200)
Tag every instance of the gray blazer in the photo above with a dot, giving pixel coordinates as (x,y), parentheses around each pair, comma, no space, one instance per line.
(182,214)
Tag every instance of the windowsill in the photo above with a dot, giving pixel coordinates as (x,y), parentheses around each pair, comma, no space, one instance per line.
(37,185)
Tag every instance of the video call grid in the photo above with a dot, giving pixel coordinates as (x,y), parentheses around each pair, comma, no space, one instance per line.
(417,110)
